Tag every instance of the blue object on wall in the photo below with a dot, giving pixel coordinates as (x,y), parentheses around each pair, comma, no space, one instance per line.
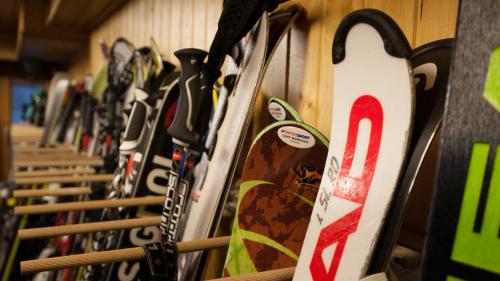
(21,94)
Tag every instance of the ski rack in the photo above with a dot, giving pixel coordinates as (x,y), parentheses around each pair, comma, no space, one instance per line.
(58,172)
(64,191)
(83,228)
(39,265)
(137,253)
(37,149)
(92,227)
(91,161)
(65,179)
(88,205)
(55,263)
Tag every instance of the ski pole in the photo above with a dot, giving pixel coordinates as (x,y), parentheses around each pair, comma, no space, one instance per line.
(183,134)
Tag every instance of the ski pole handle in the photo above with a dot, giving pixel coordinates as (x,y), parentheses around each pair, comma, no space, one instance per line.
(182,128)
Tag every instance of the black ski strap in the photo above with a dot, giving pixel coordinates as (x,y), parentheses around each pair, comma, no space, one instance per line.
(236,20)
(160,263)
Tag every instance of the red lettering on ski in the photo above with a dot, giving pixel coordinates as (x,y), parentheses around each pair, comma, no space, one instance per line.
(349,187)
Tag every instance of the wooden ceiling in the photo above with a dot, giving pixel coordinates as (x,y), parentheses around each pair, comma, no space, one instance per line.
(49,31)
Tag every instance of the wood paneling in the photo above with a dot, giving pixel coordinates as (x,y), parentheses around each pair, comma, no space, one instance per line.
(179,24)
(436,20)
(80,67)
(174,24)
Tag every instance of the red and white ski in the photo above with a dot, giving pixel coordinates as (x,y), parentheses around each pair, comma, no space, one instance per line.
(371,124)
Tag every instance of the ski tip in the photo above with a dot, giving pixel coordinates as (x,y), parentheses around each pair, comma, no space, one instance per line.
(395,42)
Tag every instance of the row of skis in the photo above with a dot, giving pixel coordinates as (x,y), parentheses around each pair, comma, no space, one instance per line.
(331,208)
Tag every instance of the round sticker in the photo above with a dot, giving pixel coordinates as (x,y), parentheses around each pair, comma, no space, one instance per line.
(296,137)
(277,111)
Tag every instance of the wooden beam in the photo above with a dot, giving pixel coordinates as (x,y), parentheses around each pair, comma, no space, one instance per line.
(137,253)
(53,9)
(89,205)
(92,161)
(51,173)
(65,179)
(63,191)
(52,231)
(21,27)
(61,147)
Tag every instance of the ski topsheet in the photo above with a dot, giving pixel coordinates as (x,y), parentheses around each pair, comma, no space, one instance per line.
(371,123)
(463,233)
(204,212)
(280,181)
(204,208)
(431,65)
(57,89)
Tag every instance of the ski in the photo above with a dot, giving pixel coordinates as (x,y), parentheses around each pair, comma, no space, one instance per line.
(463,232)
(371,124)
(280,181)
(205,209)
(147,175)
(431,64)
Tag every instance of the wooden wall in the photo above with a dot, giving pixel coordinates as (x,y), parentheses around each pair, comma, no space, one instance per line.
(192,23)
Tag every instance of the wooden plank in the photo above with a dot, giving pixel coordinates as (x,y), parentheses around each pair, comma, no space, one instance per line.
(313,23)
(404,12)
(63,191)
(65,179)
(297,47)
(175,28)
(214,10)
(333,13)
(89,205)
(187,33)
(98,258)
(164,35)
(58,172)
(199,24)
(37,149)
(53,9)
(51,231)
(437,20)
(92,161)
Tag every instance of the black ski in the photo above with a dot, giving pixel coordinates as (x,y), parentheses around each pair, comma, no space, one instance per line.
(463,235)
